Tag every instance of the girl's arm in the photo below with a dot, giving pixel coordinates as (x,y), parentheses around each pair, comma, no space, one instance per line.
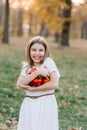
(51,85)
(25,80)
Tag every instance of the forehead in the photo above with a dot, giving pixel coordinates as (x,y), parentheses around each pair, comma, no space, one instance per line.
(37,45)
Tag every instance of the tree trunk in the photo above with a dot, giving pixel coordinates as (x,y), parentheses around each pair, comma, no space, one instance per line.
(5,38)
(42,29)
(0,12)
(57,37)
(84,30)
(66,24)
(30,23)
(13,16)
(20,22)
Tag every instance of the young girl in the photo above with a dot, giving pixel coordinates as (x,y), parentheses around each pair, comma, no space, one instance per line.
(39,108)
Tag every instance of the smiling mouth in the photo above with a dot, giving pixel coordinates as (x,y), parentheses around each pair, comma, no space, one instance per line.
(37,58)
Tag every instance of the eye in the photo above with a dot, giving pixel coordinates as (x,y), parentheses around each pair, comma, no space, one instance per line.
(33,49)
(41,50)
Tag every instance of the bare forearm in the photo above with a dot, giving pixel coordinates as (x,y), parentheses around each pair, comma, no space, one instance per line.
(44,87)
(27,79)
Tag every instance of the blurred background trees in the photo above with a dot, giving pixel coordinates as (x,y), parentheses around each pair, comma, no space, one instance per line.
(66,24)
(5,38)
(60,19)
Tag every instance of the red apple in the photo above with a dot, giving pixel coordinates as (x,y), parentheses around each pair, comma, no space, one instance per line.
(37,82)
(32,70)
(46,79)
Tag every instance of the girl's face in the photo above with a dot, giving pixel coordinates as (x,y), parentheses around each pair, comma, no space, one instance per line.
(37,53)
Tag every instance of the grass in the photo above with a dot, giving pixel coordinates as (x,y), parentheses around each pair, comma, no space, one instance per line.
(71,97)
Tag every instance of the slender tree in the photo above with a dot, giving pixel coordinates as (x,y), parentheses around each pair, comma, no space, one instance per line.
(0,12)
(42,27)
(5,38)
(84,30)
(30,22)
(20,22)
(66,24)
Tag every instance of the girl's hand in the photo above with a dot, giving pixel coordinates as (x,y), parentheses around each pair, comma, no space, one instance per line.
(24,86)
(43,71)
(27,87)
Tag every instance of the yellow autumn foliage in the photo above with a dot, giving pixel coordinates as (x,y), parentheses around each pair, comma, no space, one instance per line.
(48,12)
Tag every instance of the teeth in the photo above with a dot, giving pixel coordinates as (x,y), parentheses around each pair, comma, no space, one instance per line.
(37,58)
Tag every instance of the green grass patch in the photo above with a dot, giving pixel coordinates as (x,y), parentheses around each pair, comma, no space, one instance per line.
(71,98)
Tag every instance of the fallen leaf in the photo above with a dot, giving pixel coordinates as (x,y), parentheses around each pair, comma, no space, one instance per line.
(75,128)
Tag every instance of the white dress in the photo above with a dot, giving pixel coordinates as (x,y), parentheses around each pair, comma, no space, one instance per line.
(40,113)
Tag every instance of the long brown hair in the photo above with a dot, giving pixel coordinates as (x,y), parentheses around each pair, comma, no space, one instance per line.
(39,40)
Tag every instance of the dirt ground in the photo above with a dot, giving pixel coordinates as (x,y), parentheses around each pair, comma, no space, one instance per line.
(79,44)
(20,43)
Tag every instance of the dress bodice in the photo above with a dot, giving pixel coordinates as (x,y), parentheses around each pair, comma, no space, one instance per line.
(50,65)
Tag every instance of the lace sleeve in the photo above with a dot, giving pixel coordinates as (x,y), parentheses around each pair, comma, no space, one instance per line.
(24,69)
(51,66)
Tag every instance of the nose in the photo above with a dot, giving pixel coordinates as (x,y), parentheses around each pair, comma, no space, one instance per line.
(37,52)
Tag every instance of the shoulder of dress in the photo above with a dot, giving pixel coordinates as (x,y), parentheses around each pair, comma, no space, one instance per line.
(25,64)
(48,59)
